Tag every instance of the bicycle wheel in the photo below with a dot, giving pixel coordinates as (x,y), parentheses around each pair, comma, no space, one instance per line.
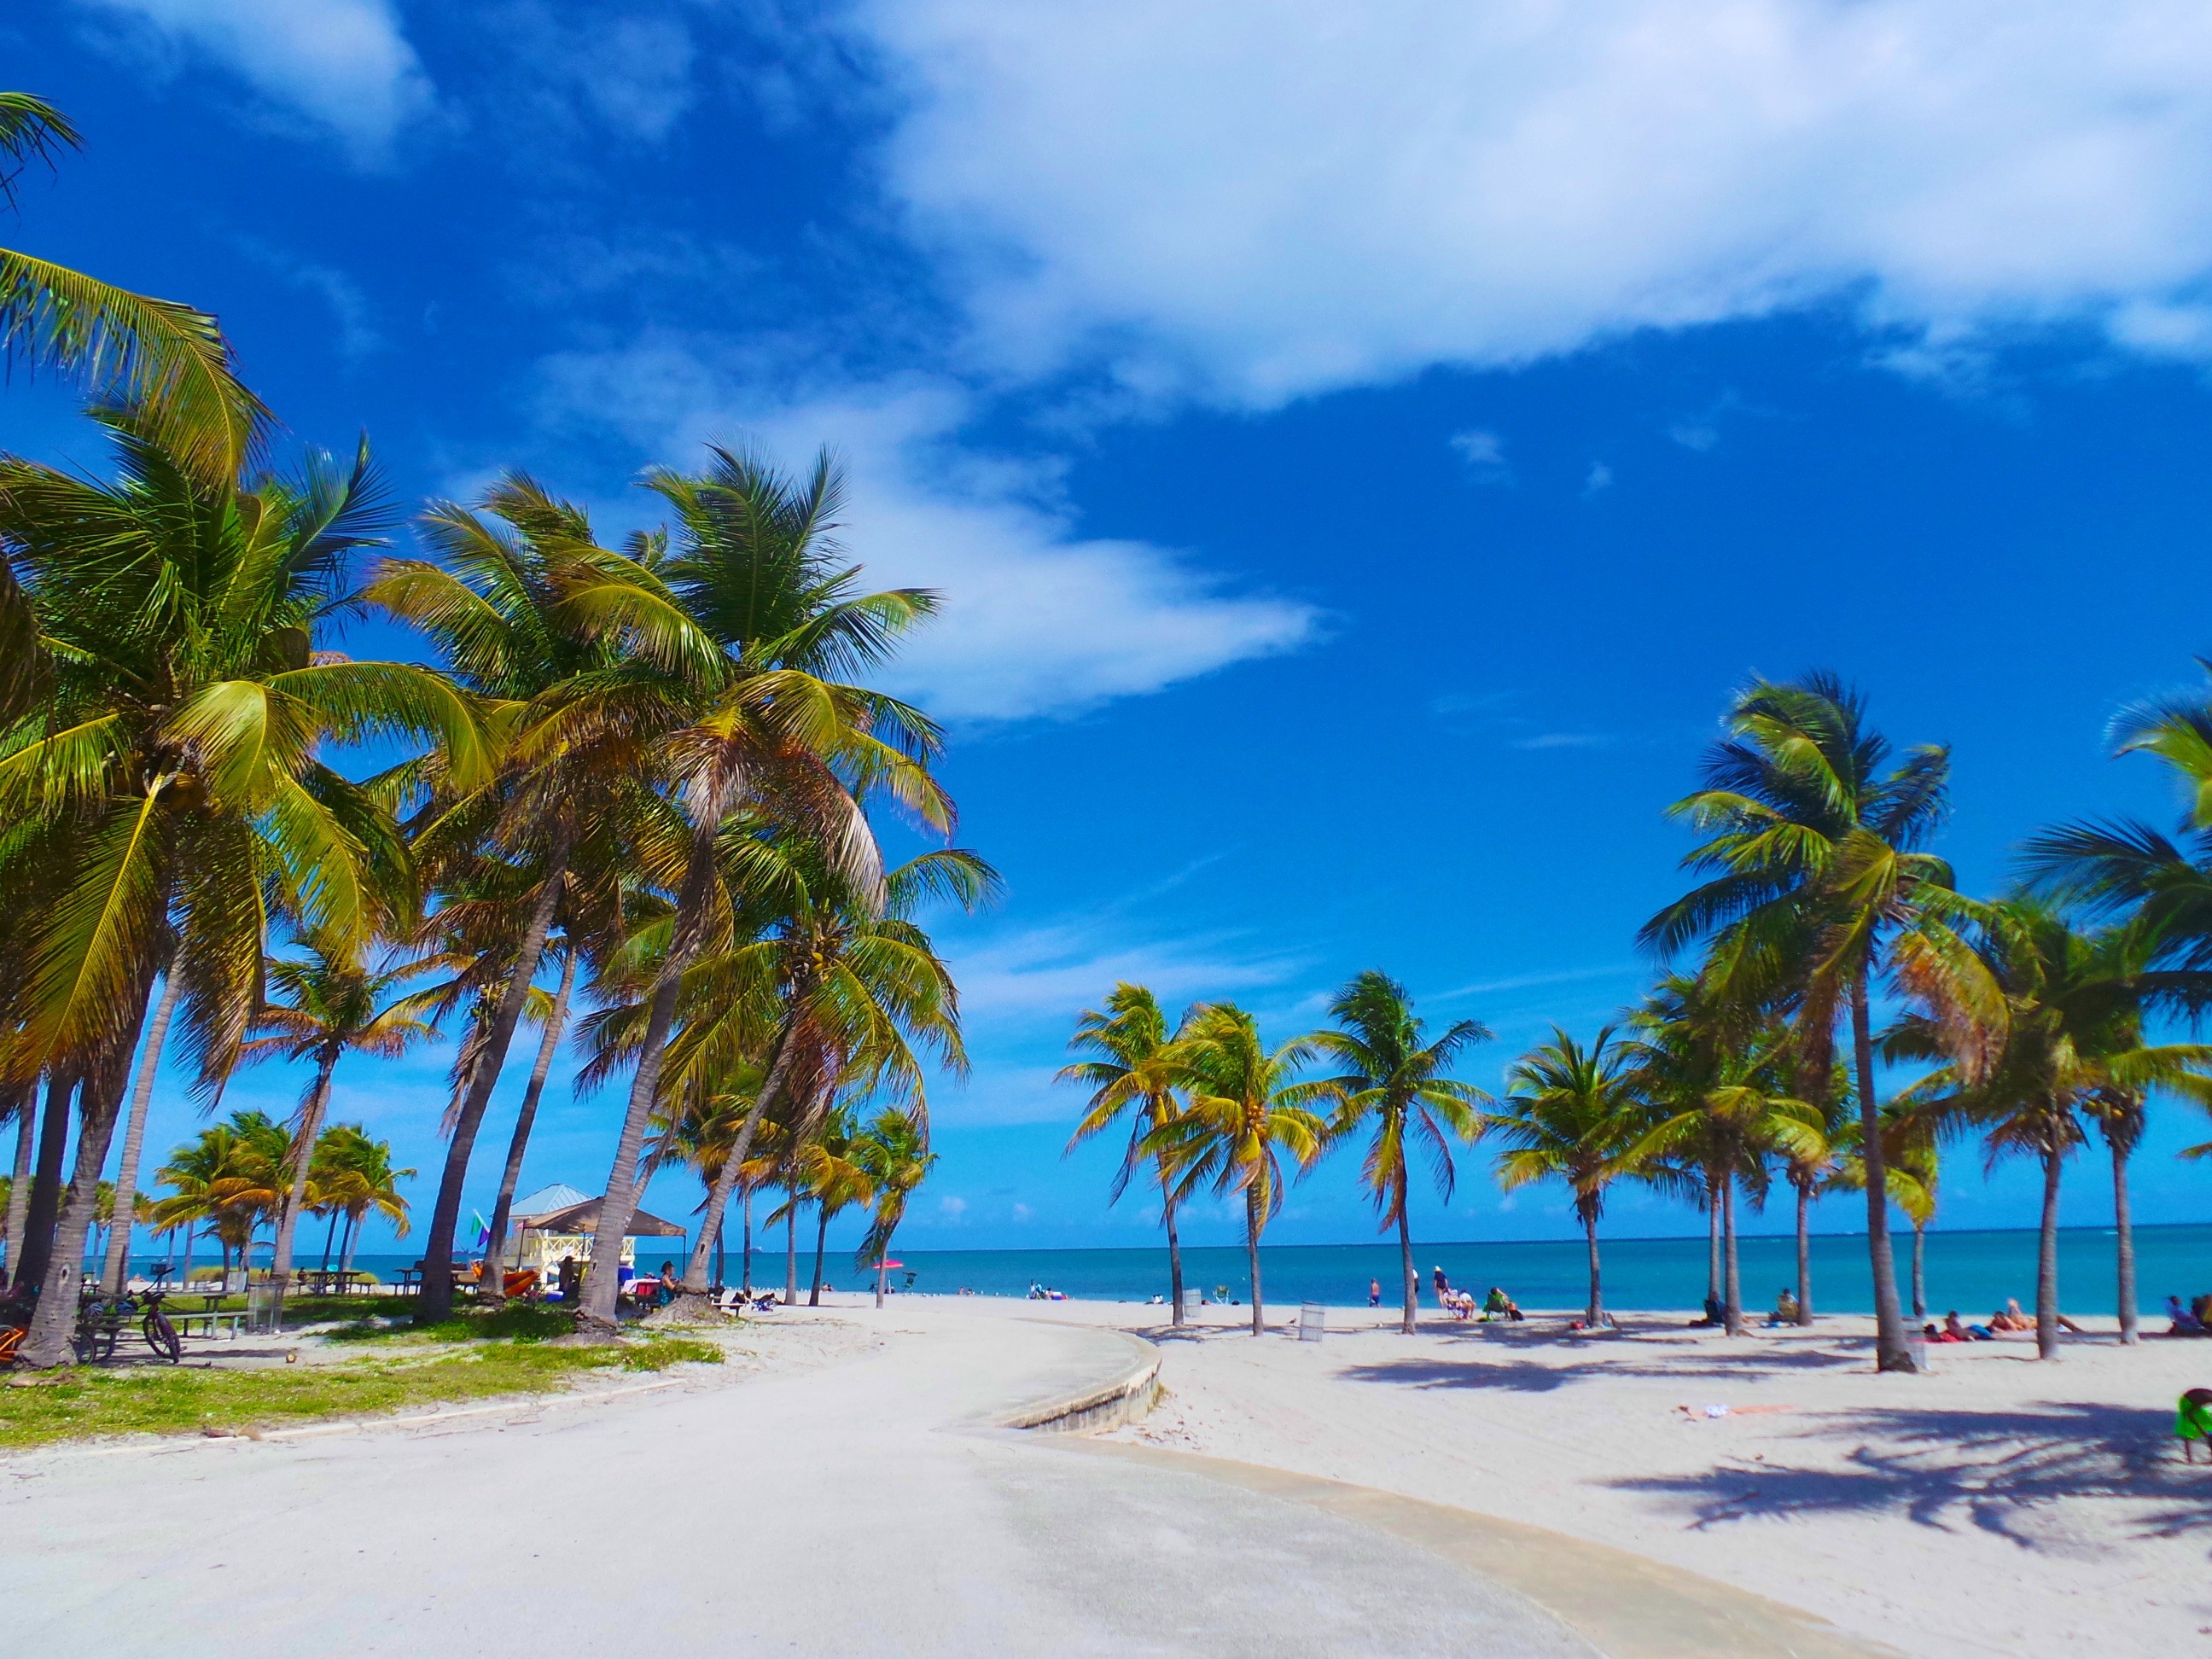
(161,1337)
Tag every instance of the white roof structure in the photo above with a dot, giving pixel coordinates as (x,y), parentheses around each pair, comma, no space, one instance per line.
(546,1199)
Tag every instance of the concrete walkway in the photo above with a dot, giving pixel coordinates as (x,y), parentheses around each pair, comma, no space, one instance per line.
(869,1507)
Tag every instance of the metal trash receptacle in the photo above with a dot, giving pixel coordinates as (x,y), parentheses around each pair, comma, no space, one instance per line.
(1916,1345)
(1313,1318)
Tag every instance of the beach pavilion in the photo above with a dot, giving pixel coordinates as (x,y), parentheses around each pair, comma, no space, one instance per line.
(557,1222)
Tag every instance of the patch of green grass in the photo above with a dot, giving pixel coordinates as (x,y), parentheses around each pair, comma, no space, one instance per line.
(521,1321)
(662,1351)
(146,1399)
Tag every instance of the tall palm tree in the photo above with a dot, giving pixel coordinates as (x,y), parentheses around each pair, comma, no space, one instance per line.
(555,1023)
(2037,1023)
(125,348)
(749,619)
(231,1177)
(580,714)
(1394,1084)
(173,785)
(333,1004)
(1133,1076)
(1243,1111)
(1815,865)
(1571,1114)
(117,1267)
(892,1154)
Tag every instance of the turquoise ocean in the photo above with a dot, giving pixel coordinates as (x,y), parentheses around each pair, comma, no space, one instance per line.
(1971,1271)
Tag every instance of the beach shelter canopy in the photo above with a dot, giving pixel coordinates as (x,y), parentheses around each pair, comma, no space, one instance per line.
(584,1217)
(546,1199)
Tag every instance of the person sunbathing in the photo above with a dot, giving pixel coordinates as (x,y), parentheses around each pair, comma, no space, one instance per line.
(1785,1310)
(1498,1305)
(2192,1422)
(1955,1332)
(2186,1323)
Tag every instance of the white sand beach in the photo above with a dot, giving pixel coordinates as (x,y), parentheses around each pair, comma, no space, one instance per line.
(860,1498)
(1997,1506)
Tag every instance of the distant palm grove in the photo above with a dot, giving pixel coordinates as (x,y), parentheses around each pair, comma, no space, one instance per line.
(633,802)
(2026,1021)
(650,776)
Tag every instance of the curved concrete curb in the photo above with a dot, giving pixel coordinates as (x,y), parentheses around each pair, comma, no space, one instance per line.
(1098,1406)
(1625,1605)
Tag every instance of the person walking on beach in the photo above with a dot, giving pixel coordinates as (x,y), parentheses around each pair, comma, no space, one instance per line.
(1374,1293)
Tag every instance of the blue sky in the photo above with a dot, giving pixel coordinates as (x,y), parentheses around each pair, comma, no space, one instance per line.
(1361,450)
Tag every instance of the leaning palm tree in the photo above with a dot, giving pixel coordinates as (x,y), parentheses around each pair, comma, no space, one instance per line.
(333,1004)
(834,1180)
(748,620)
(893,1158)
(1815,866)
(1394,1084)
(1131,1075)
(174,787)
(1571,1114)
(1243,1110)
(125,347)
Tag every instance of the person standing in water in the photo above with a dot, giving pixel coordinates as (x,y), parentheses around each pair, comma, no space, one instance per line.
(1374,1293)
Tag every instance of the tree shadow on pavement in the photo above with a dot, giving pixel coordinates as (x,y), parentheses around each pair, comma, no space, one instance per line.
(1992,1471)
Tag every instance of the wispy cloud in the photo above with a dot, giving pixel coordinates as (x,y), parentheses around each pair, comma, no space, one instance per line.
(345,64)
(1565,740)
(1599,478)
(1483,453)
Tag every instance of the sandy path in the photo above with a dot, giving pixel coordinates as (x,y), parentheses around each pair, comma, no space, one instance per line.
(1998,1507)
(843,1495)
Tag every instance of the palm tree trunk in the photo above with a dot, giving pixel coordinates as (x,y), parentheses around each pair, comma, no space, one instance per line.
(746,1266)
(494,1293)
(1712,1238)
(1920,1270)
(346,1245)
(1593,1315)
(330,1235)
(821,1233)
(1175,1251)
(791,1249)
(2046,1258)
(2124,1227)
(134,1141)
(719,1280)
(295,1197)
(1890,1353)
(44,1208)
(1732,1280)
(1409,1285)
(600,1289)
(1804,1256)
(18,1187)
(47,1343)
(185,1274)
(883,1272)
(436,1301)
(1252,1212)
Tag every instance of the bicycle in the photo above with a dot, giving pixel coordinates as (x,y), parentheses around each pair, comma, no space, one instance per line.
(99,1322)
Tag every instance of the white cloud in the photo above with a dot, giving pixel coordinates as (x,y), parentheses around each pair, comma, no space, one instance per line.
(1600,476)
(1256,199)
(1037,618)
(1046,974)
(344,63)
(1483,451)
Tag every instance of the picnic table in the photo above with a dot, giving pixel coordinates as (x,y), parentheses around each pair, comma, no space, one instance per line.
(332,1281)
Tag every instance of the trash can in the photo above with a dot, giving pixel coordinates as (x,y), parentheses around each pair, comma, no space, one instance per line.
(1312,1318)
(1192,1298)
(265,1302)
(1916,1345)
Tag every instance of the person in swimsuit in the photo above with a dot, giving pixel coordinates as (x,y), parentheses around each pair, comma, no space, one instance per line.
(2192,1422)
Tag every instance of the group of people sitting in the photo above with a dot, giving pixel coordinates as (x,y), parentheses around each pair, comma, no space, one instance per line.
(1462,1304)
(2006,1320)
(2195,1320)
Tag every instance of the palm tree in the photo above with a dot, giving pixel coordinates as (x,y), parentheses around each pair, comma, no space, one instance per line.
(549,1045)
(1821,1135)
(892,1154)
(498,607)
(173,785)
(117,1267)
(335,1003)
(229,1178)
(746,621)
(125,348)
(834,1180)
(1242,1110)
(1396,1083)
(2037,1023)
(1711,1073)
(1132,1076)
(1816,866)
(353,1174)
(1571,1114)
